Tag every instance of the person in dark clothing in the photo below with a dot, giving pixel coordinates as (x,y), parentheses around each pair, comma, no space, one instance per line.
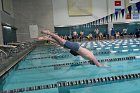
(137,33)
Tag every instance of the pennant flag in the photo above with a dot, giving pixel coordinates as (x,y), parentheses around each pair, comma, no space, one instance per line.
(86,25)
(93,22)
(138,6)
(96,22)
(103,20)
(116,14)
(117,3)
(99,21)
(107,19)
(111,16)
(122,11)
(129,9)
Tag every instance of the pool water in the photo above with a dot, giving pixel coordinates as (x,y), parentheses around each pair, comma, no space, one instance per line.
(38,69)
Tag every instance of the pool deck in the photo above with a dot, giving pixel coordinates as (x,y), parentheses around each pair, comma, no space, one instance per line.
(7,64)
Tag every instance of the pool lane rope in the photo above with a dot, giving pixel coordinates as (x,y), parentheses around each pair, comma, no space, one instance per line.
(53,57)
(84,62)
(92,81)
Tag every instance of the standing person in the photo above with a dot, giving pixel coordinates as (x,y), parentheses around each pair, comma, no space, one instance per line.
(75,35)
(125,32)
(100,36)
(117,35)
(112,33)
(74,47)
(137,33)
(81,35)
(97,33)
(90,37)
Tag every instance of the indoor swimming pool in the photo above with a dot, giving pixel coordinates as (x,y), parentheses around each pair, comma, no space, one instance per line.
(52,69)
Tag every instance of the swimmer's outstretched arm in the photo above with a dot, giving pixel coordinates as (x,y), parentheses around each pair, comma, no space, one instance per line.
(46,38)
(85,53)
(60,40)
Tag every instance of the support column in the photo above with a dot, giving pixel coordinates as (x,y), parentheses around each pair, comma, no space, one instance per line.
(1,35)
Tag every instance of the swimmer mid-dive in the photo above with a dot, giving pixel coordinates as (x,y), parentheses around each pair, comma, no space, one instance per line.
(75,48)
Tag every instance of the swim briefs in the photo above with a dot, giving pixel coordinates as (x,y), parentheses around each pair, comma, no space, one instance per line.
(72,46)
